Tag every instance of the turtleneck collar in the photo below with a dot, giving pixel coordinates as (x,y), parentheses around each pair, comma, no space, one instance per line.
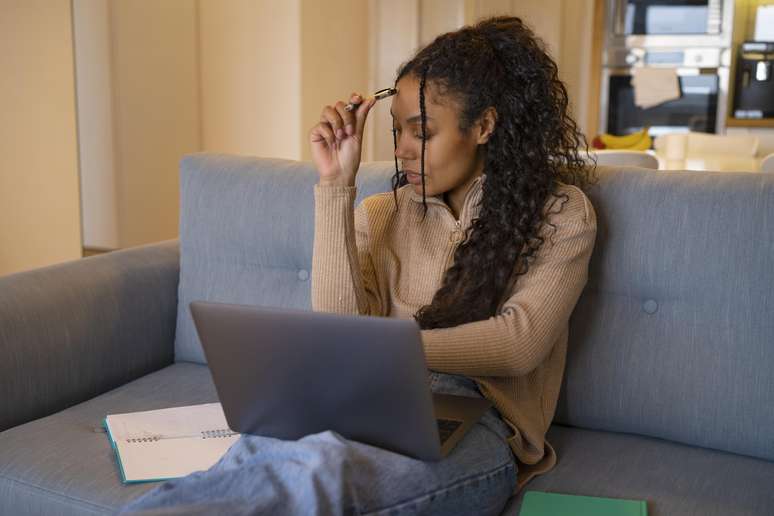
(474,189)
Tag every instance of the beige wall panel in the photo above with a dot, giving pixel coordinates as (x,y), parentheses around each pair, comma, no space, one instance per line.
(438,17)
(565,26)
(39,199)
(250,55)
(394,39)
(334,58)
(95,123)
(576,67)
(477,9)
(156,112)
(545,18)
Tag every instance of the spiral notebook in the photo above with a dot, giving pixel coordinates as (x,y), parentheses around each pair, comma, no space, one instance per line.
(168,443)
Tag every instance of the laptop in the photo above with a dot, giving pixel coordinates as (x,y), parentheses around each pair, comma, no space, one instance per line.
(290,373)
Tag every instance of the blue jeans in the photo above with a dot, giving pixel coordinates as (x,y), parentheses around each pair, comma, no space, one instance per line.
(325,474)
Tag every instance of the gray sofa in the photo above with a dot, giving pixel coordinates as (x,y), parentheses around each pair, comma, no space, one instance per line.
(669,387)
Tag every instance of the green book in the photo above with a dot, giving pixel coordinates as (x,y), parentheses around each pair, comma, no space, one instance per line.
(538,503)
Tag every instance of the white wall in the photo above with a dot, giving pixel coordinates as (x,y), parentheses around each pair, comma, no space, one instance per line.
(39,198)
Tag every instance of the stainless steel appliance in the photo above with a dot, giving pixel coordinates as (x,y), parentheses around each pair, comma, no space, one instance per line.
(662,23)
(754,84)
(690,37)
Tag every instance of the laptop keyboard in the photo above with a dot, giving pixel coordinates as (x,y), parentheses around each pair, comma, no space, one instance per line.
(446,428)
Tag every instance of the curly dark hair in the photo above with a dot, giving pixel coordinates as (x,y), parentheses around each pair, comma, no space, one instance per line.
(500,63)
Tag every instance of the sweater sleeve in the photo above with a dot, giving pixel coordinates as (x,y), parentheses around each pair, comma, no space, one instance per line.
(343,278)
(520,337)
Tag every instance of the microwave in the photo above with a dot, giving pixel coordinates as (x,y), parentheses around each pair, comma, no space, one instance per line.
(654,23)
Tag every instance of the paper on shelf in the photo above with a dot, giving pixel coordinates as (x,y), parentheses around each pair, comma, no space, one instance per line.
(653,86)
(764,23)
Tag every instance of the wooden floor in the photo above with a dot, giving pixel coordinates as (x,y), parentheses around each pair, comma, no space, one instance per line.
(93,251)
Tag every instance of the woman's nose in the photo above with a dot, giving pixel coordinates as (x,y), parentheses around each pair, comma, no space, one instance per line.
(403,151)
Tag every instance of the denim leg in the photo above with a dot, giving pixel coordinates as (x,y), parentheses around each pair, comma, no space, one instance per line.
(262,476)
(477,477)
(325,474)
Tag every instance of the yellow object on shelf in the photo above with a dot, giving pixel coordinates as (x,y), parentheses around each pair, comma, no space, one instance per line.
(636,141)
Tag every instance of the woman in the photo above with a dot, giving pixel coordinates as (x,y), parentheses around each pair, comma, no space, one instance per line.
(489,154)
(485,241)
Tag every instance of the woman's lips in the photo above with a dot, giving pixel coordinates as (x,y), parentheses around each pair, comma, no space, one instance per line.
(413,178)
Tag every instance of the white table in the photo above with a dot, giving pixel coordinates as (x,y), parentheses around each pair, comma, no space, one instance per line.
(719,163)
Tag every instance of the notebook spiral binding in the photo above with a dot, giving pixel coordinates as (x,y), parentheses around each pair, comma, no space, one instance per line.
(206,434)
(223,432)
(144,439)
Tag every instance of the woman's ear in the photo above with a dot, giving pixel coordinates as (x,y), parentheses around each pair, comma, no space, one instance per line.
(486,125)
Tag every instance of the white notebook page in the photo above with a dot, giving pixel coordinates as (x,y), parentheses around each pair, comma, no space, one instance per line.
(170,443)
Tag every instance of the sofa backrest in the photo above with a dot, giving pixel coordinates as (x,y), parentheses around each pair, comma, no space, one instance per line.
(673,336)
(246,234)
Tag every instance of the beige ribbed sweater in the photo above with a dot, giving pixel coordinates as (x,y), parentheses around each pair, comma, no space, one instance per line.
(374,260)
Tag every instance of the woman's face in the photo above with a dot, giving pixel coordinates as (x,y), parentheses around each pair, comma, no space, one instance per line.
(452,157)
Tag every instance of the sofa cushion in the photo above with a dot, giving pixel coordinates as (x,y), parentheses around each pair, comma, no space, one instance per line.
(672,336)
(246,234)
(676,480)
(60,465)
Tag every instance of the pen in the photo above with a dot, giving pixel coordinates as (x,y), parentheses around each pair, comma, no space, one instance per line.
(381,94)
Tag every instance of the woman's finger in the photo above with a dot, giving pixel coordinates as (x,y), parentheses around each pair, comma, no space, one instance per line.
(323,132)
(362,113)
(348,117)
(331,115)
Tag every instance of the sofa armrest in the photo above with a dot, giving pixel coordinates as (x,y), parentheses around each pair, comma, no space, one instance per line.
(72,331)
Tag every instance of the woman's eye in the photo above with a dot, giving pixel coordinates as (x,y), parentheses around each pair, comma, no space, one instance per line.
(418,136)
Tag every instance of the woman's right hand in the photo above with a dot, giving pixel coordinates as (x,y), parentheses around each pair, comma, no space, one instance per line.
(337,141)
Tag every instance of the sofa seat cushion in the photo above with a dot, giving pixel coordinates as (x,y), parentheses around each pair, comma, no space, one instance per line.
(60,465)
(675,479)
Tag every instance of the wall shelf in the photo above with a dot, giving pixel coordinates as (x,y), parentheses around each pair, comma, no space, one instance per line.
(750,122)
